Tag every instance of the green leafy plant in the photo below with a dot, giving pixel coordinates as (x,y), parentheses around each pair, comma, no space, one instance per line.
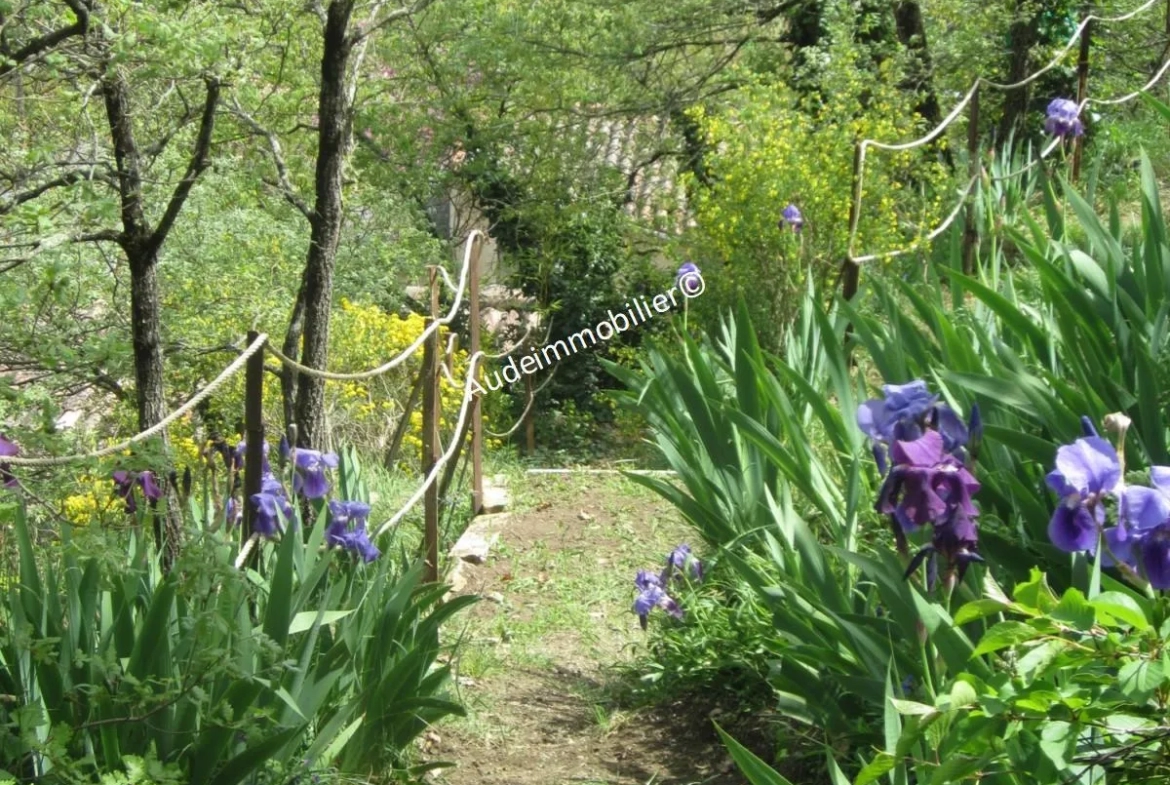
(771,474)
(1078,693)
(305,659)
(1080,331)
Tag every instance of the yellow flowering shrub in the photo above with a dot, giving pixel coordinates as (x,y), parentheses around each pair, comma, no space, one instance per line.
(770,150)
(92,500)
(363,413)
(367,411)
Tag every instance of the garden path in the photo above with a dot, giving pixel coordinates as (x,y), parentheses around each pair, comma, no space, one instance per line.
(544,664)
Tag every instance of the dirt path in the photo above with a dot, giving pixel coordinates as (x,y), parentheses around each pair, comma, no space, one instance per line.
(541,665)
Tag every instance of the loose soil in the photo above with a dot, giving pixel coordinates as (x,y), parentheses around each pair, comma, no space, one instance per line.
(541,663)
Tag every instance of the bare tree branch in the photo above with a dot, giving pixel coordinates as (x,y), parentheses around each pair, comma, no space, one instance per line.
(50,40)
(284,182)
(398,13)
(200,160)
(69,178)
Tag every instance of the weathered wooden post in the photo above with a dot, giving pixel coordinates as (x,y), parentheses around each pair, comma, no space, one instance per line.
(1082,91)
(530,418)
(430,437)
(970,232)
(851,273)
(253,436)
(476,402)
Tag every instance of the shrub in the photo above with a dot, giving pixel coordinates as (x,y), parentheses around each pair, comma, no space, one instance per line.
(773,150)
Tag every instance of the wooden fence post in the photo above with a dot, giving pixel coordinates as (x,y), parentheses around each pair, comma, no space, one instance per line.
(529,418)
(1082,91)
(476,400)
(970,232)
(253,436)
(851,272)
(430,437)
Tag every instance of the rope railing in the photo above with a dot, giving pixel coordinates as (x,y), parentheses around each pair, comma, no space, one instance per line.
(946,224)
(527,408)
(197,399)
(409,351)
(432,475)
(262,343)
(937,131)
(499,356)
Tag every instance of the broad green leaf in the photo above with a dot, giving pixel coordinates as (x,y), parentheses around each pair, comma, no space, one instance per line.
(1004,635)
(1139,678)
(1121,607)
(304,620)
(1074,609)
(882,763)
(980,609)
(913,708)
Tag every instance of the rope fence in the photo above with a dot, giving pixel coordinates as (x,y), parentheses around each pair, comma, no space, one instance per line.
(854,260)
(260,342)
(162,424)
(452,449)
(409,351)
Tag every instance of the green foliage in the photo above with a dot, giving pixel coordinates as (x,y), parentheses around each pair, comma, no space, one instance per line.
(1077,693)
(770,473)
(1080,331)
(216,674)
(773,147)
(722,648)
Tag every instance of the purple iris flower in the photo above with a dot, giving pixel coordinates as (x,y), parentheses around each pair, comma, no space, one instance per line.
(956,539)
(1144,509)
(362,545)
(1155,555)
(270,484)
(645,579)
(652,595)
(926,483)
(907,404)
(791,216)
(309,479)
(124,487)
(1086,471)
(908,410)
(1139,534)
(150,488)
(268,508)
(688,278)
(339,534)
(124,483)
(7,449)
(1062,118)
(678,559)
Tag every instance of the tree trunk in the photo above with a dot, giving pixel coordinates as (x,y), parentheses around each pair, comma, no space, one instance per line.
(1022,37)
(333,121)
(912,35)
(145,308)
(142,244)
(289,378)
